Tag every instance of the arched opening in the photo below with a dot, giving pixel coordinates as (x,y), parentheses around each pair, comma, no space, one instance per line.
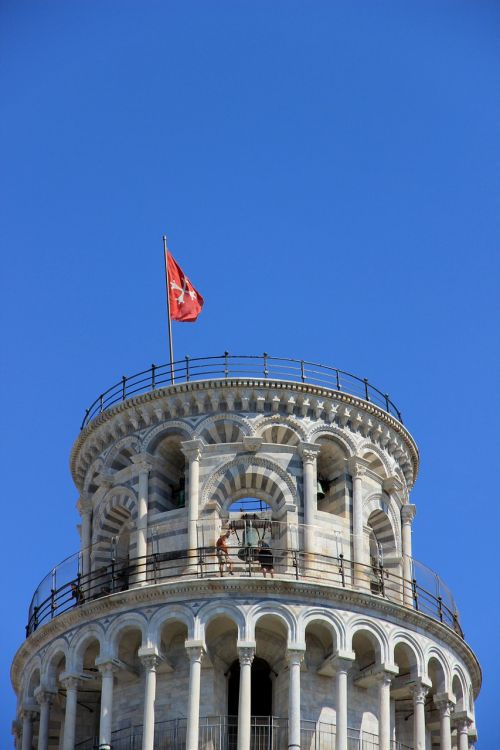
(334,484)
(261,702)
(255,539)
(167,482)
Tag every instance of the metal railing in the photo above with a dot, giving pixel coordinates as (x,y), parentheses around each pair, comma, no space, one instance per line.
(236,366)
(72,590)
(221,733)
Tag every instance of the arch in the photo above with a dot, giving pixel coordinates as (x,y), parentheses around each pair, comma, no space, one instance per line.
(156,434)
(122,623)
(459,689)
(95,468)
(263,424)
(329,619)
(330,432)
(169,614)
(59,648)
(282,612)
(377,502)
(376,634)
(367,447)
(92,632)
(117,497)
(406,639)
(222,428)
(30,679)
(232,611)
(437,669)
(250,474)
(120,453)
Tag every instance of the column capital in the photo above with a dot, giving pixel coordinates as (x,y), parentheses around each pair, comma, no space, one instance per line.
(357,466)
(195,650)
(30,711)
(462,721)
(192,449)
(309,452)
(44,695)
(251,443)
(69,680)
(419,690)
(295,656)
(107,666)
(84,504)
(444,703)
(143,462)
(408,513)
(246,651)
(342,661)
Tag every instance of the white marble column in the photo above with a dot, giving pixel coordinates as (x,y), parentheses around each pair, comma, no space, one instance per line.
(407,515)
(419,692)
(357,469)
(342,666)
(44,698)
(143,465)
(28,718)
(195,653)
(17,733)
(192,452)
(70,683)
(149,659)
(84,506)
(444,705)
(462,724)
(107,670)
(246,654)
(309,453)
(295,658)
(384,680)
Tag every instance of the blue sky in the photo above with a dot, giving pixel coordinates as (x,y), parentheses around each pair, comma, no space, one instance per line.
(328,176)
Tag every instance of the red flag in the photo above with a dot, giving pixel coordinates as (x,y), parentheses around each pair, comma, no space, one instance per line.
(185,302)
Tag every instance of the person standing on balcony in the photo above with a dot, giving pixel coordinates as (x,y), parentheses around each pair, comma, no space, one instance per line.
(265,557)
(223,553)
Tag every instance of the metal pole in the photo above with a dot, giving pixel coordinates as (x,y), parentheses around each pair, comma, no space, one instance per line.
(170,342)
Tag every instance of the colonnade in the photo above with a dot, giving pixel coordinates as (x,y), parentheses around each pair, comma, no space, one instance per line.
(341,664)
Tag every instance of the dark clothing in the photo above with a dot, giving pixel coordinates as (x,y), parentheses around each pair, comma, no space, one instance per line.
(265,557)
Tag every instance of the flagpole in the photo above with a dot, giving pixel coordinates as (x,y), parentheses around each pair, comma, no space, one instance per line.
(170,342)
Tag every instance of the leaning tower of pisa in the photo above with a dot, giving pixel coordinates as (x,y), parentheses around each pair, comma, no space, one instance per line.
(245,578)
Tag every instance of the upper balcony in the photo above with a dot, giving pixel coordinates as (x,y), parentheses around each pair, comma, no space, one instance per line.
(240,367)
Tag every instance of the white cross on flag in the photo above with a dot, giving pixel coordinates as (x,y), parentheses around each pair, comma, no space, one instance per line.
(185,301)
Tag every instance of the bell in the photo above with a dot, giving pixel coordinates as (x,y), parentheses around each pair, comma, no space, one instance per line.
(320,493)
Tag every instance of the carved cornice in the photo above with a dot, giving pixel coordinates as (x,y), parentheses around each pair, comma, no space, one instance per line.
(174,392)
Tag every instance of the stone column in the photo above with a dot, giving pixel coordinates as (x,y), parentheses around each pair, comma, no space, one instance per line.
(28,718)
(384,680)
(295,657)
(149,659)
(44,699)
(342,665)
(107,670)
(17,733)
(463,724)
(84,506)
(407,516)
(192,451)
(143,465)
(195,653)
(246,654)
(70,683)
(444,705)
(357,469)
(419,691)
(309,453)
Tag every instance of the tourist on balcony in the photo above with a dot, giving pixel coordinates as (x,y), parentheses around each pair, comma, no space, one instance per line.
(223,553)
(265,557)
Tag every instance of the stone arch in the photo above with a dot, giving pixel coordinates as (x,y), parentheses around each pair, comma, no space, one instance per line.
(459,688)
(375,505)
(121,624)
(59,648)
(117,497)
(119,454)
(95,468)
(232,611)
(345,441)
(402,637)
(282,612)
(367,447)
(376,634)
(435,661)
(246,475)
(31,679)
(169,614)
(263,424)
(92,632)
(223,428)
(329,619)
(156,434)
